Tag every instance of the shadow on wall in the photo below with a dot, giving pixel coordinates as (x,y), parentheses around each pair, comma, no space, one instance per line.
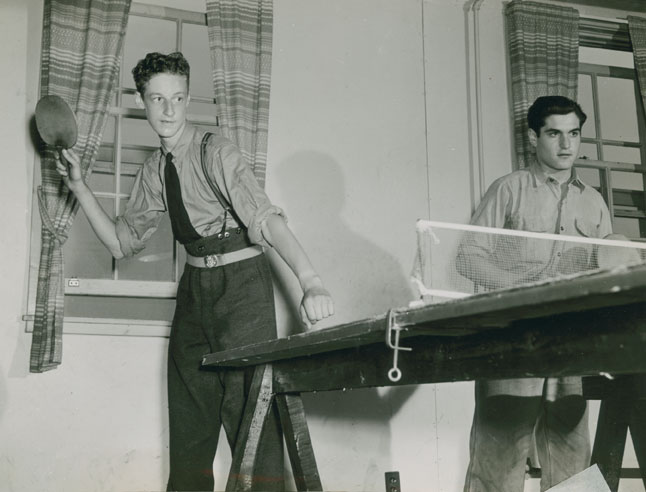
(363,278)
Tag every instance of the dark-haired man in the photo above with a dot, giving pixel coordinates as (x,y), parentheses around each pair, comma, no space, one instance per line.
(225,297)
(547,197)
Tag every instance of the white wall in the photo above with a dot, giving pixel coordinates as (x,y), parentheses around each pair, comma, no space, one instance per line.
(355,161)
(371,127)
(98,422)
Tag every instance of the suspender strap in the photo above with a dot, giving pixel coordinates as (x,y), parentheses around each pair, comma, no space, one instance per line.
(228,209)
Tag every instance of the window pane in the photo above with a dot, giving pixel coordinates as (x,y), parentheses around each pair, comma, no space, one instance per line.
(138,132)
(133,156)
(108,133)
(129,101)
(606,57)
(614,153)
(102,179)
(201,109)
(143,36)
(589,176)
(627,181)
(195,46)
(119,307)
(585,100)
(589,151)
(627,226)
(617,108)
(85,256)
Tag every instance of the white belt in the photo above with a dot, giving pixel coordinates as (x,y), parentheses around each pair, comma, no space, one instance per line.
(212,261)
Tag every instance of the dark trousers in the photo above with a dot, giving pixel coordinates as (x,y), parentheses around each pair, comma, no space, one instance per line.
(218,309)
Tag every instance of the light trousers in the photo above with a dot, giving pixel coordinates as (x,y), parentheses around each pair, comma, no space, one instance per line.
(503,432)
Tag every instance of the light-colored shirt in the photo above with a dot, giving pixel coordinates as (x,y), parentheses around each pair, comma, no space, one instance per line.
(531,200)
(226,167)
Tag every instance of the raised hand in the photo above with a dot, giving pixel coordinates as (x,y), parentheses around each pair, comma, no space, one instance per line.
(68,165)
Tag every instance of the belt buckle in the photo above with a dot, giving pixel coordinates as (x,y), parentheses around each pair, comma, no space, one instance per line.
(211,261)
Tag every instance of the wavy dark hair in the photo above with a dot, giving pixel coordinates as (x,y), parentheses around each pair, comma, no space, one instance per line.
(546,106)
(155,63)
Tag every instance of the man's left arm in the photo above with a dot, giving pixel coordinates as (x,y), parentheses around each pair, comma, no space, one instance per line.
(317,303)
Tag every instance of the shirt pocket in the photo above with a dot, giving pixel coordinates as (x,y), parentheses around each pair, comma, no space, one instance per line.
(587,227)
(529,252)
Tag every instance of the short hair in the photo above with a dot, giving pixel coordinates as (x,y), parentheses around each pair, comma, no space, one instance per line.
(156,63)
(546,106)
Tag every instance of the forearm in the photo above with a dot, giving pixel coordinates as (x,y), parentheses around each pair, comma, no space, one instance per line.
(317,303)
(101,223)
(281,238)
(68,166)
(474,264)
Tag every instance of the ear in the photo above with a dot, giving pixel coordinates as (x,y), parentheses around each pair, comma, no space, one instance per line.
(139,101)
(533,138)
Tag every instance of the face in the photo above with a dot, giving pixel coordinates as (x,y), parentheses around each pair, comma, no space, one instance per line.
(165,101)
(557,145)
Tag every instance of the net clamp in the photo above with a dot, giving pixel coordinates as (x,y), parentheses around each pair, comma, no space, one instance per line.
(393,331)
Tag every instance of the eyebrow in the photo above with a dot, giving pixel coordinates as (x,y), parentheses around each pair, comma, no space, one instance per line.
(174,94)
(578,128)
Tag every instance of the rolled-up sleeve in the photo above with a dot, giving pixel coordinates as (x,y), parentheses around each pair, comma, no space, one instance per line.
(239,185)
(144,210)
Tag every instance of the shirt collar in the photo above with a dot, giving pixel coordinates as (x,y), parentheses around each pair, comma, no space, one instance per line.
(541,177)
(182,146)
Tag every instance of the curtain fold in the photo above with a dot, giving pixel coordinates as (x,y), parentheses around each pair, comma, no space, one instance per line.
(240,42)
(543,48)
(637,29)
(81,48)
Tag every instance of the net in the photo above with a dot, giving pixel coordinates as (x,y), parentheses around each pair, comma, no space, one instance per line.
(457,260)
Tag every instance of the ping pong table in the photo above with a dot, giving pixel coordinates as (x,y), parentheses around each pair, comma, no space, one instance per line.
(588,325)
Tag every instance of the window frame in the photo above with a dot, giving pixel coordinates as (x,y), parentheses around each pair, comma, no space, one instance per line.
(612,35)
(111,152)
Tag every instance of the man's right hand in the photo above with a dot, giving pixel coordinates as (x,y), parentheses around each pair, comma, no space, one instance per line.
(68,165)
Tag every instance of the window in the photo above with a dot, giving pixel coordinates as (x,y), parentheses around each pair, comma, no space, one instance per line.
(613,139)
(133,295)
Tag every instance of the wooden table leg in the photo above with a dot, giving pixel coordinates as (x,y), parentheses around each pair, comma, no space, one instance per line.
(255,413)
(299,443)
(610,440)
(637,428)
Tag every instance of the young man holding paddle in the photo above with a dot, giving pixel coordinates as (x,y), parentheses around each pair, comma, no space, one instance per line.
(225,299)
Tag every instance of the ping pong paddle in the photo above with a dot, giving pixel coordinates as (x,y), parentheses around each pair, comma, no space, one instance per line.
(56,122)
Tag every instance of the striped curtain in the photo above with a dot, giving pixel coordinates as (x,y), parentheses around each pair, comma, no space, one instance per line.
(240,40)
(543,45)
(81,46)
(637,28)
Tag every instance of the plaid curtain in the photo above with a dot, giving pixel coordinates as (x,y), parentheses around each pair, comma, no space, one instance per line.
(637,28)
(240,40)
(81,47)
(543,45)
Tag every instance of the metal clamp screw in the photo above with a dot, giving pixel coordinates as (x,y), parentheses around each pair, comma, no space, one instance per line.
(394,374)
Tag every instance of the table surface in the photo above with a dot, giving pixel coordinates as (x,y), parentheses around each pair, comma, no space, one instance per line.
(588,324)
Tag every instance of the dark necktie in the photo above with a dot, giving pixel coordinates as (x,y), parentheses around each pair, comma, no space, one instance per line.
(182,228)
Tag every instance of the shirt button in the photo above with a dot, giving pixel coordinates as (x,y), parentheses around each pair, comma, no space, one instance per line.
(562,228)
(558,254)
